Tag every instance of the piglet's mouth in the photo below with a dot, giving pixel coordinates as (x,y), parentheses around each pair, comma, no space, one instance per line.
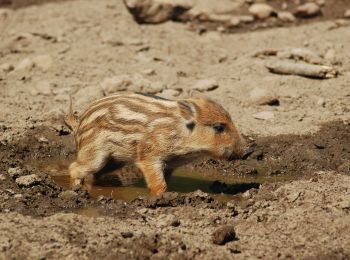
(248,151)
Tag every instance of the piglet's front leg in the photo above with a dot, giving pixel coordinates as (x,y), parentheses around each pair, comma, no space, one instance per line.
(153,172)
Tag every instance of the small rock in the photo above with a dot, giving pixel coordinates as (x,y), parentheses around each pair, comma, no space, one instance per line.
(115,84)
(43,139)
(127,234)
(18,196)
(264,115)
(6,67)
(15,172)
(308,10)
(2,177)
(205,85)
(321,102)
(149,72)
(154,87)
(246,18)
(347,13)
(68,195)
(233,22)
(345,204)
(25,64)
(261,10)
(263,97)
(286,17)
(157,11)
(169,93)
(142,211)
(223,235)
(28,180)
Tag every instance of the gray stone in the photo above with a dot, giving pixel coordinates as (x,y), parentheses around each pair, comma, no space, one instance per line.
(205,85)
(169,93)
(28,180)
(261,10)
(6,67)
(261,96)
(264,115)
(308,10)
(223,235)
(151,11)
(286,16)
(15,172)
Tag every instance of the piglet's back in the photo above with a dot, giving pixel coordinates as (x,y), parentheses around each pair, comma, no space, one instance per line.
(124,119)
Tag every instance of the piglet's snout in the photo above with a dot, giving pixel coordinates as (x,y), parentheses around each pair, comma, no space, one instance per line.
(243,154)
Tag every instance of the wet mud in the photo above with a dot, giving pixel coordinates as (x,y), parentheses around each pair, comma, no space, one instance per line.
(274,160)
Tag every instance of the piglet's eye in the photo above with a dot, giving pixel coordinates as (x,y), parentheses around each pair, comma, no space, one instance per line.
(219,127)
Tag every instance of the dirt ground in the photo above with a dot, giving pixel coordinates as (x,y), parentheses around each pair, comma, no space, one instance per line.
(53,50)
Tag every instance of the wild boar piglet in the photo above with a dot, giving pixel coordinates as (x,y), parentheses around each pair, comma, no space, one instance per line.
(155,134)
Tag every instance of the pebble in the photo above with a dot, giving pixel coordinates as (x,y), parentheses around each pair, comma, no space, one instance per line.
(308,10)
(68,195)
(6,67)
(286,17)
(156,11)
(234,21)
(264,115)
(2,177)
(149,72)
(15,172)
(347,13)
(223,235)
(321,102)
(43,139)
(261,96)
(205,85)
(246,18)
(261,10)
(142,211)
(43,62)
(169,93)
(28,180)
(25,64)
(18,196)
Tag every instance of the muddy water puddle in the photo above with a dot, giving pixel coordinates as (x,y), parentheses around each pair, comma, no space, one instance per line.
(128,184)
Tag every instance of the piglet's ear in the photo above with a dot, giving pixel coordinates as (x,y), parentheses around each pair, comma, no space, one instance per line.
(187,109)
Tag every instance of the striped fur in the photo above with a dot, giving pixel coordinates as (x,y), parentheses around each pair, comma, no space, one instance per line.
(152,133)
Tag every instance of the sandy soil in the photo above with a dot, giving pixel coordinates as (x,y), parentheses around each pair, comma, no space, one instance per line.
(50,51)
